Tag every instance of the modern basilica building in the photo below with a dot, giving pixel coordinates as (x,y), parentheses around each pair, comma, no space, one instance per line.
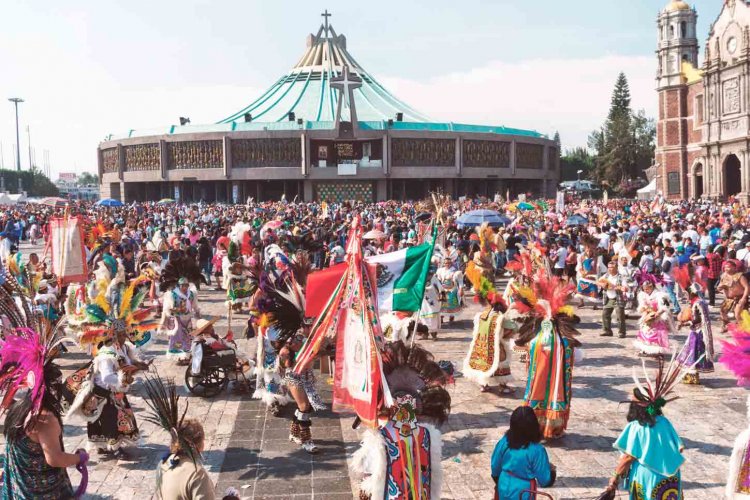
(327,130)
(703,129)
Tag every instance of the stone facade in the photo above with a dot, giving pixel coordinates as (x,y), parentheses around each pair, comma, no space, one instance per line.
(703,128)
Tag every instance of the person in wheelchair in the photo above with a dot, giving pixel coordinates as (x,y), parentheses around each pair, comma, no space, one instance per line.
(205,337)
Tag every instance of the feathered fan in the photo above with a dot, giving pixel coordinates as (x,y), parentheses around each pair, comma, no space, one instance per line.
(177,267)
(412,370)
(164,402)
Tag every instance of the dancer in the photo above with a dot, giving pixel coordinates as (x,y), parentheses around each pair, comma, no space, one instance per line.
(655,325)
(651,449)
(736,289)
(180,308)
(111,424)
(488,359)
(35,458)
(451,289)
(587,288)
(401,459)
(180,473)
(736,357)
(549,329)
(698,354)
(430,313)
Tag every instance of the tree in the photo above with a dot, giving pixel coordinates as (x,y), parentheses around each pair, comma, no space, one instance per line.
(624,146)
(87,178)
(33,182)
(557,139)
(574,160)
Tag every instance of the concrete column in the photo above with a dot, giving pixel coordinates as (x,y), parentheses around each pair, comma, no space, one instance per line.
(163,159)
(227,156)
(381,190)
(120,161)
(307,188)
(123,197)
(258,191)
(459,159)
(386,154)
(304,148)
(100,168)
(513,158)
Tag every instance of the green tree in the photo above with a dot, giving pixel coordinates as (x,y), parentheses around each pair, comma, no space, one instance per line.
(34,182)
(574,160)
(624,146)
(87,178)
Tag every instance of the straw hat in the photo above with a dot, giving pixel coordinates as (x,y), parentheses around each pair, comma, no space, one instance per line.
(201,325)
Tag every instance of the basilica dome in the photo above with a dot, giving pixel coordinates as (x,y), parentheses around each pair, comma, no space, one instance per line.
(675,5)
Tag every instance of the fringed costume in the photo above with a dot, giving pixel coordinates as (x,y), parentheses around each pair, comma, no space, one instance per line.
(655,324)
(549,330)
(698,352)
(451,290)
(401,459)
(651,450)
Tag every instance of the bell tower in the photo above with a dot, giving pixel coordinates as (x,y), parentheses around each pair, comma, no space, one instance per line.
(677,42)
(677,45)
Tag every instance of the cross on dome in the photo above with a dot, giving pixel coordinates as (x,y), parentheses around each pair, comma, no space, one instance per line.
(325,15)
(346,82)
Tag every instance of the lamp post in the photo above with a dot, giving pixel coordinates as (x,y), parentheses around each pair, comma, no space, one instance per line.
(15,101)
(579,174)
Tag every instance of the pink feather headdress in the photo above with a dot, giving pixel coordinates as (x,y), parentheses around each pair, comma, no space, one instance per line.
(23,356)
(736,354)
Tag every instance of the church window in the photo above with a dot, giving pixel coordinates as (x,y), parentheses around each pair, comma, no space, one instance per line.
(683,29)
(671,31)
(698,111)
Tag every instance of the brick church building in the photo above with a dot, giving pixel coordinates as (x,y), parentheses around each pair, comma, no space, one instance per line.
(703,129)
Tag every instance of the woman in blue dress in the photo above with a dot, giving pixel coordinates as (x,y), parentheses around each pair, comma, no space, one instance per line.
(519,461)
(649,466)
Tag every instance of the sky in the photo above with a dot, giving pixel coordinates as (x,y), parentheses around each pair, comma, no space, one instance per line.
(88,68)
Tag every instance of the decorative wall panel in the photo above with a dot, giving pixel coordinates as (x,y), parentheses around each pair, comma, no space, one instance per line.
(195,154)
(423,152)
(109,160)
(142,157)
(529,155)
(337,192)
(488,154)
(251,153)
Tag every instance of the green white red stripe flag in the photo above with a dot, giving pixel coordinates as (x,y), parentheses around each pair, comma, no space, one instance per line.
(402,277)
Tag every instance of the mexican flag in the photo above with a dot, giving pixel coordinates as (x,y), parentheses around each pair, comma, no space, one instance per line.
(401,277)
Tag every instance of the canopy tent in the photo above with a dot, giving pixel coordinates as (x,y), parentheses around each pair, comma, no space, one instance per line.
(647,192)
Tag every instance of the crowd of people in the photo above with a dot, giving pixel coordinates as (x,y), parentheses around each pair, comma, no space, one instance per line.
(150,263)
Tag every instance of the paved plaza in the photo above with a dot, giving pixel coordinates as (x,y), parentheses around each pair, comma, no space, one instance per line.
(247,447)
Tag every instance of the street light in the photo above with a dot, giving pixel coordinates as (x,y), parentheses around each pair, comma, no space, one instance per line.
(579,174)
(15,101)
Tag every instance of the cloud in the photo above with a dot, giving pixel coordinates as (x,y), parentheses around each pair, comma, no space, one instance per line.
(571,96)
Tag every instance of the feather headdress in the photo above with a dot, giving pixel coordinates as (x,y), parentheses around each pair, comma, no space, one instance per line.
(180,266)
(642,277)
(736,354)
(283,306)
(681,275)
(521,264)
(654,394)
(25,355)
(545,299)
(413,371)
(115,308)
(164,403)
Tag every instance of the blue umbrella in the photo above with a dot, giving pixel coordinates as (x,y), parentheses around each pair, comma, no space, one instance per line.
(479,217)
(109,202)
(577,220)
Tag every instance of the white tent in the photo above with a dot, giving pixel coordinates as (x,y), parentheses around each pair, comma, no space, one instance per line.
(17,198)
(647,192)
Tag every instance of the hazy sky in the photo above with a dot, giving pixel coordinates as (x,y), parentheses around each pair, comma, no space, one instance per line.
(94,67)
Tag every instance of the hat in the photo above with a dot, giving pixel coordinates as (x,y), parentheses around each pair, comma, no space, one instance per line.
(202,325)
(183,281)
(697,257)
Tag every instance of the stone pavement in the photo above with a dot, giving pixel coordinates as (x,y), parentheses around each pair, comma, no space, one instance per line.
(247,447)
